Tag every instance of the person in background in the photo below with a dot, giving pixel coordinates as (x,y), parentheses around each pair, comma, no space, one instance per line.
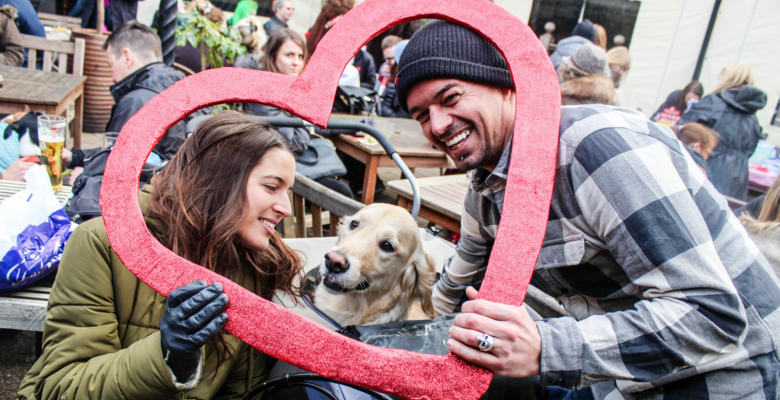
(134,54)
(678,103)
(366,66)
(283,12)
(244,9)
(285,53)
(619,64)
(731,110)
(331,12)
(601,37)
(28,23)
(390,106)
(583,33)
(388,49)
(761,218)
(699,141)
(254,38)
(11,50)
(108,335)
(585,77)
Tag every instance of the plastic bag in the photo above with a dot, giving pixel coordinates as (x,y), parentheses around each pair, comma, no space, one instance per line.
(34,229)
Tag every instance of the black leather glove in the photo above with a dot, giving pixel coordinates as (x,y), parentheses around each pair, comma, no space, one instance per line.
(193,315)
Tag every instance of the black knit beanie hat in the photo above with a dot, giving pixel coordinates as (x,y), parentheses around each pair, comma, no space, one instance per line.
(444,49)
(585,29)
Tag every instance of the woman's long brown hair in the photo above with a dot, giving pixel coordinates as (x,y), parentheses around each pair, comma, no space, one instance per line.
(200,198)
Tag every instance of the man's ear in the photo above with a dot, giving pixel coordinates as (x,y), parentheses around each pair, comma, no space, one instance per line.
(130,59)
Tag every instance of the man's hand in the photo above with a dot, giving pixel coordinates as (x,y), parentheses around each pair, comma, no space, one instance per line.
(16,171)
(516,345)
(67,156)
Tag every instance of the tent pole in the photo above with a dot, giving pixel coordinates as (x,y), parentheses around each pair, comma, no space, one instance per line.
(706,42)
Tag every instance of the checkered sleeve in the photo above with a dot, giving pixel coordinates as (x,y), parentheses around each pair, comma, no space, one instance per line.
(643,198)
(468,265)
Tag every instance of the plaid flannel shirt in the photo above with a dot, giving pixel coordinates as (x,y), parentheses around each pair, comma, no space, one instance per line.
(669,295)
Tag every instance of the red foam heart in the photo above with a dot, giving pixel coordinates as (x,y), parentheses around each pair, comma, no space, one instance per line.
(281,333)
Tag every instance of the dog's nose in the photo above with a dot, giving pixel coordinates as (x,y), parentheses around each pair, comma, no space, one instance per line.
(336,262)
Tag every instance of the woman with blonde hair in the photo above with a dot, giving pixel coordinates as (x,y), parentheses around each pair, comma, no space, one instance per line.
(731,110)
(601,37)
(761,218)
(619,63)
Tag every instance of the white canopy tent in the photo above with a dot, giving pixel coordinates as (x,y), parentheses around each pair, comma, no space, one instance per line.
(665,46)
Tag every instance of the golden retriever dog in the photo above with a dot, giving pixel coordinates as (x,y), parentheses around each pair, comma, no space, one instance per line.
(378,270)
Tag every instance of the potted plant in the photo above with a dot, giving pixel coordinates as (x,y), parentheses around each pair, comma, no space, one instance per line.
(216,42)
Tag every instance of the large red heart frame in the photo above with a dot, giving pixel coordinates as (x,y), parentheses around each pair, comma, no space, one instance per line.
(277,331)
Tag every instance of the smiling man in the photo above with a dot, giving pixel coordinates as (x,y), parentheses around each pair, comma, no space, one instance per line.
(669,297)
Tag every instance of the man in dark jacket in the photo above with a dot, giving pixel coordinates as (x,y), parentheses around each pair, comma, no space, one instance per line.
(732,113)
(364,62)
(134,54)
(283,11)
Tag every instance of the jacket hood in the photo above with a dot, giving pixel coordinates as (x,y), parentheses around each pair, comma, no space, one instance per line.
(748,99)
(155,77)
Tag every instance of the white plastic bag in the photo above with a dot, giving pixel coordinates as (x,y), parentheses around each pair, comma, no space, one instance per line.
(34,231)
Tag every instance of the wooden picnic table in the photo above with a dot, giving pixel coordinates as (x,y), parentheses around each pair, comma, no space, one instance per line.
(441,198)
(46,92)
(25,309)
(408,139)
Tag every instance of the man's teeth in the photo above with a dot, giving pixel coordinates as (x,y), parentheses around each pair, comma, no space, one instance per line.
(459,138)
(268,223)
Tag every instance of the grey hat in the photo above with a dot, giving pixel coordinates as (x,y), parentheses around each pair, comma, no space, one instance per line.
(589,59)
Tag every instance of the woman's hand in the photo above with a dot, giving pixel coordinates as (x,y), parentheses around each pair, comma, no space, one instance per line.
(16,171)
(193,315)
(516,342)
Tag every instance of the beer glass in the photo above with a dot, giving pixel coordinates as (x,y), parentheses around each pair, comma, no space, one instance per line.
(51,137)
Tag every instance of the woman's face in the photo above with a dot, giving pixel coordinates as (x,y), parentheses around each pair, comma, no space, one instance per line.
(289,59)
(266,198)
(691,96)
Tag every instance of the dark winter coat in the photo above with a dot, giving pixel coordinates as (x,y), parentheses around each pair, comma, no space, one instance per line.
(731,113)
(366,66)
(133,92)
(273,24)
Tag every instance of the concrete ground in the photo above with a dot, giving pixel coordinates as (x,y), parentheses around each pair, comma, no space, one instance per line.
(17,356)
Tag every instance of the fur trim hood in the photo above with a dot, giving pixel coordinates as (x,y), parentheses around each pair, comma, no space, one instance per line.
(589,89)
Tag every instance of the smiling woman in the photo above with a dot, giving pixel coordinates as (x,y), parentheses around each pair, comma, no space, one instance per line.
(215,204)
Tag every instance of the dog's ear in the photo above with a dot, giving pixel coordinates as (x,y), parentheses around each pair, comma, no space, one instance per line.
(425,273)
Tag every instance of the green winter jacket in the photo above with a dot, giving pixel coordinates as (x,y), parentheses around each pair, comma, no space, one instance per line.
(101,337)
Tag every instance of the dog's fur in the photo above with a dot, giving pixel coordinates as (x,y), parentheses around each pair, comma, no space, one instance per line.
(396,279)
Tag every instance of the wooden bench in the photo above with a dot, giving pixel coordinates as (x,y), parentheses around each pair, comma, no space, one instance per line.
(58,49)
(55,21)
(441,198)
(319,198)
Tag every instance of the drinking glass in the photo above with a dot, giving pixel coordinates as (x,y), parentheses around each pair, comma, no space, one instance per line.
(109,139)
(51,138)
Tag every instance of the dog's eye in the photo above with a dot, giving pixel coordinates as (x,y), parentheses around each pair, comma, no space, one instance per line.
(353,225)
(387,246)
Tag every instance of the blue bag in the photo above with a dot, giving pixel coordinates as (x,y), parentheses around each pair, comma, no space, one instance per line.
(34,232)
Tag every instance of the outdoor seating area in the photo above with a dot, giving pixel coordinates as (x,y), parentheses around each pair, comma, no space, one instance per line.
(554,214)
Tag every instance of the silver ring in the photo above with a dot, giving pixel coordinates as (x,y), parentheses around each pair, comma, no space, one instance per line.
(485,342)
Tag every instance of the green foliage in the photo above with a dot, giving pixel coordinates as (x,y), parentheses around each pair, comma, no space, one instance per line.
(215,42)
